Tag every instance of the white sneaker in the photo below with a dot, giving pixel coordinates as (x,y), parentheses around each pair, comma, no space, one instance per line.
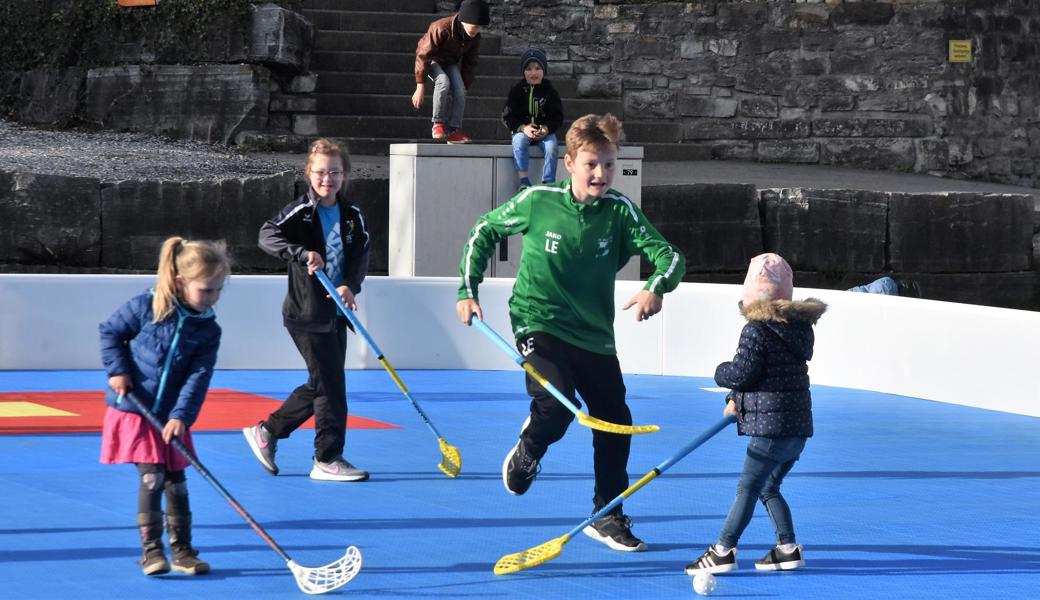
(337,469)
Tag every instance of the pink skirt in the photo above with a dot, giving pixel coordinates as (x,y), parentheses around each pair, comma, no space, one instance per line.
(128,438)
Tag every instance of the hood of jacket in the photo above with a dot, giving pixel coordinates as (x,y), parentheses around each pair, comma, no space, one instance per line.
(790,320)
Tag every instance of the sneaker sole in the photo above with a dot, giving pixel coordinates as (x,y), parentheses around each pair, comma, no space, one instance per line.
(784,566)
(157,569)
(192,570)
(319,475)
(590,531)
(509,455)
(716,570)
(269,467)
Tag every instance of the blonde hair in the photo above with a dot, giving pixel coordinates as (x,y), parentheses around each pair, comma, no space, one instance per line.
(191,260)
(329,148)
(594,132)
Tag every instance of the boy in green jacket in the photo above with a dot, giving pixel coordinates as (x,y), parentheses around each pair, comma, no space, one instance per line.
(577,234)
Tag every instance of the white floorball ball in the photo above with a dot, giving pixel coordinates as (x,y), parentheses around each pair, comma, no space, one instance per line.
(704,583)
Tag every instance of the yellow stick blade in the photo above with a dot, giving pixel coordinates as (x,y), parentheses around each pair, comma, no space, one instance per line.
(451,464)
(594,423)
(511,563)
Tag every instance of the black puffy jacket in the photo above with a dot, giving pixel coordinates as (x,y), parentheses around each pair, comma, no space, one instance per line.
(769,375)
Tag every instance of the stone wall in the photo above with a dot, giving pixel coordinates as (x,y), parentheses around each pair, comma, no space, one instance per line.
(864,84)
(244,80)
(960,247)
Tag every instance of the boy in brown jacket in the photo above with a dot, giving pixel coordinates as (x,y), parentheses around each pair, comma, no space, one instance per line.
(447,53)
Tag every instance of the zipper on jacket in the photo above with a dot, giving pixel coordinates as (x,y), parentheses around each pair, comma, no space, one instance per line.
(532,106)
(169,359)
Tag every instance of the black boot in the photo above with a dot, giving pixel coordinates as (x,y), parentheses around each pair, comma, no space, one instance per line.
(153,560)
(185,558)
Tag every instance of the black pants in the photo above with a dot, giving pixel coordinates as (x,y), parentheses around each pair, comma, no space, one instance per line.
(324,395)
(597,377)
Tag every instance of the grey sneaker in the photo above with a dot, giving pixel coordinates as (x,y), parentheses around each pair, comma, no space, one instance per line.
(263,446)
(337,469)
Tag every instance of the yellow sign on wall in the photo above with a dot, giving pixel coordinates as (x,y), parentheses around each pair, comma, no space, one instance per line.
(960,51)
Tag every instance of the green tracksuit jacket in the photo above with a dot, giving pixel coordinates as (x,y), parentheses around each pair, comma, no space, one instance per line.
(571,254)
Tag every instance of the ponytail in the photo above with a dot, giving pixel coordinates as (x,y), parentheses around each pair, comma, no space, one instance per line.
(189,259)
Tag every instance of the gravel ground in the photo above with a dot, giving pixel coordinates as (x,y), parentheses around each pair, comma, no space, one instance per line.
(112,156)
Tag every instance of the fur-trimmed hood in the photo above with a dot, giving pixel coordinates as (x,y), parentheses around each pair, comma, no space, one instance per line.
(789,320)
(783,311)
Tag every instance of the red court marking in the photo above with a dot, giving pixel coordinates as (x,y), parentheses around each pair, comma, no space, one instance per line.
(224,410)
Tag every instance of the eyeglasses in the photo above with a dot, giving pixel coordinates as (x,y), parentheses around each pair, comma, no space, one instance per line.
(330,174)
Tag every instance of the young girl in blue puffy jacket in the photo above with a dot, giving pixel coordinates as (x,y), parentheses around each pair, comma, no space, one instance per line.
(161,345)
(769,379)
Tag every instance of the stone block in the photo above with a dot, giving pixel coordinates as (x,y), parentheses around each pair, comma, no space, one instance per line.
(49,220)
(870,153)
(733,151)
(700,106)
(293,103)
(139,215)
(372,196)
(837,103)
(715,225)
(652,103)
(826,230)
(862,14)
(960,232)
(597,86)
(305,125)
(746,129)
(866,127)
(763,107)
(280,37)
(209,103)
(50,95)
(789,151)
(304,84)
(932,155)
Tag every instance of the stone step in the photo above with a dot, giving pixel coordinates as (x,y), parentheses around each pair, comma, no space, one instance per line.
(418,126)
(401,62)
(404,83)
(476,106)
(354,20)
(392,6)
(386,41)
(380,146)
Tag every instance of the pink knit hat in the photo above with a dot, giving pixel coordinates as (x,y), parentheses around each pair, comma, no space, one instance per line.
(769,277)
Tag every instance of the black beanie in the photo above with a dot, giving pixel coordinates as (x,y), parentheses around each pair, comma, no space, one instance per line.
(475,12)
(534,54)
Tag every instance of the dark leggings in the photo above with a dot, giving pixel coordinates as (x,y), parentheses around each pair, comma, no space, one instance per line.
(157,481)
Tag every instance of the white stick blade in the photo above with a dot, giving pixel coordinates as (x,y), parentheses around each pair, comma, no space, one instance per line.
(318,580)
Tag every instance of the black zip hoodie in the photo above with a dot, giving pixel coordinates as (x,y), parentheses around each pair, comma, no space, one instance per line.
(294,231)
(533,104)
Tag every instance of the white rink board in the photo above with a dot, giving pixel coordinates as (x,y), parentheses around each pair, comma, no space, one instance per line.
(962,354)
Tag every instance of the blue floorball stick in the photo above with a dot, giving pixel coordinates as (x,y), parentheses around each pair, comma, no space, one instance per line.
(451,458)
(511,563)
(583,419)
(312,580)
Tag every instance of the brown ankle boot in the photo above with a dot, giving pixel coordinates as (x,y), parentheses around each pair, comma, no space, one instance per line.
(153,560)
(185,558)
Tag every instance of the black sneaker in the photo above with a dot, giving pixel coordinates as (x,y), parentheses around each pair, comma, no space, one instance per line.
(519,468)
(778,560)
(909,288)
(713,562)
(615,530)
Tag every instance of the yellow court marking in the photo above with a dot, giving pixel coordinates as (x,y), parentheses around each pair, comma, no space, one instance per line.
(31,409)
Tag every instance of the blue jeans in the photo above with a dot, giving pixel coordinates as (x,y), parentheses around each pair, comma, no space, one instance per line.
(768,461)
(522,154)
(884,285)
(449,94)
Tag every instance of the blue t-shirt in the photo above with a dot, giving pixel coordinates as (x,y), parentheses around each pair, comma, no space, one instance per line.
(329,216)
